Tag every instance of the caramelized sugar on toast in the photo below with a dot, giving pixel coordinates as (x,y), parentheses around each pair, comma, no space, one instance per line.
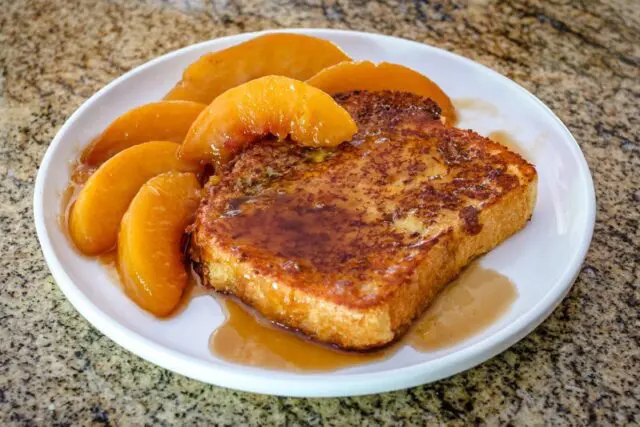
(349,246)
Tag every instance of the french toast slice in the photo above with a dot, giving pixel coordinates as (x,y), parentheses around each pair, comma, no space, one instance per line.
(349,246)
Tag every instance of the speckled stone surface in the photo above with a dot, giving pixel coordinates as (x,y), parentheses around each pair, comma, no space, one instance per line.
(581,366)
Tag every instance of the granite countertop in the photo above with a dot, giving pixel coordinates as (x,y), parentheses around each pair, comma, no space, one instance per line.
(582,365)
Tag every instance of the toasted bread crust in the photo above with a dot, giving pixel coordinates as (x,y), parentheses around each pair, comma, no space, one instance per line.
(351,249)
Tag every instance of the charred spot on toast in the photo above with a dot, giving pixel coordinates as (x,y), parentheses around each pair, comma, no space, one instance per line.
(470,222)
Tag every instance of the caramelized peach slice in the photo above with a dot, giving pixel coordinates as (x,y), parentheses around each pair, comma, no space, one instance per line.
(150,260)
(291,55)
(365,75)
(269,105)
(158,121)
(96,214)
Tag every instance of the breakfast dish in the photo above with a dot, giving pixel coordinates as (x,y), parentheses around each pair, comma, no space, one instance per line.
(351,247)
(337,207)
(334,198)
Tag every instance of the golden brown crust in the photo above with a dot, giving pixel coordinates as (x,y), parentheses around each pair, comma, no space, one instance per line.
(351,248)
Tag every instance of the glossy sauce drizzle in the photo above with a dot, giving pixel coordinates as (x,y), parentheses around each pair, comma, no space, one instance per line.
(467,306)
(80,173)
(471,303)
(109,261)
(67,199)
(476,105)
(246,339)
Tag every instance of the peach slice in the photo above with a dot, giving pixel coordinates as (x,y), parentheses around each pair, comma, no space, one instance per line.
(158,121)
(269,105)
(365,75)
(150,260)
(96,214)
(291,55)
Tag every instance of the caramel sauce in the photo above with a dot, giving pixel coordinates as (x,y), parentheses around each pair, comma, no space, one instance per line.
(305,235)
(80,173)
(109,260)
(247,339)
(477,105)
(67,199)
(503,138)
(194,289)
(467,306)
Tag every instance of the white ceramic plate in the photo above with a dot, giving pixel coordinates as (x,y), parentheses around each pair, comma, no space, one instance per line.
(542,260)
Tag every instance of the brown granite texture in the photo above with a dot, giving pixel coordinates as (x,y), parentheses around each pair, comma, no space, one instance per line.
(582,58)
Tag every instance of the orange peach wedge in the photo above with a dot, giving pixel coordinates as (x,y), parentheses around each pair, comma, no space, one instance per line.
(269,105)
(365,75)
(150,260)
(291,55)
(96,214)
(158,121)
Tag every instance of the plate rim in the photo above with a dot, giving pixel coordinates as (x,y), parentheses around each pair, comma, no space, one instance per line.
(334,384)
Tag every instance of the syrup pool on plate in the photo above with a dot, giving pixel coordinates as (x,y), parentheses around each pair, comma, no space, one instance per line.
(471,303)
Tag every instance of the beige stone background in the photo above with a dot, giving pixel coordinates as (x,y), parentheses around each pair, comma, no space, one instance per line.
(582,58)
